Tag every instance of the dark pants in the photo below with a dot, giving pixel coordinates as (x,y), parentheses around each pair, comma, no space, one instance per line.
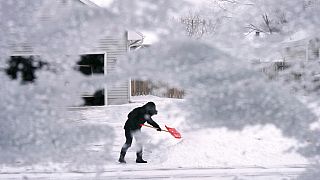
(129,134)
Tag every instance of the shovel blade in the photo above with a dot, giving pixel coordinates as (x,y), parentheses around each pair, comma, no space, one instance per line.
(173,132)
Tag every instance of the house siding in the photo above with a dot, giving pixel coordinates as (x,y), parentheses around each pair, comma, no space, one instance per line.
(21,48)
(115,47)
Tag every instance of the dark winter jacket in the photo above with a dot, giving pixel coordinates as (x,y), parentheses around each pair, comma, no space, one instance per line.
(141,115)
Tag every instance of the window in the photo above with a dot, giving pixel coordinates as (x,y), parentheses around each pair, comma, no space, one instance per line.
(91,64)
(88,65)
(25,67)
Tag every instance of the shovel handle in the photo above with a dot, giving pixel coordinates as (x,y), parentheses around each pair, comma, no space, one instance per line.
(146,125)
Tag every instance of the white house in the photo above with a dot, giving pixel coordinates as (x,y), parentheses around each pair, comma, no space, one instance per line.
(299,47)
(107,50)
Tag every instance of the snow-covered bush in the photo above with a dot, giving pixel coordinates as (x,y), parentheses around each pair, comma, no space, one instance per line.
(222,91)
(36,126)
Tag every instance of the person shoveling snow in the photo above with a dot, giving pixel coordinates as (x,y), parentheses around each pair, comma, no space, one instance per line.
(132,127)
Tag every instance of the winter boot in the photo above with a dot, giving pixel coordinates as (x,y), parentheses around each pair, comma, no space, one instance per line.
(121,158)
(139,158)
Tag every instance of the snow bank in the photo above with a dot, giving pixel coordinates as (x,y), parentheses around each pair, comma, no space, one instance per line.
(254,146)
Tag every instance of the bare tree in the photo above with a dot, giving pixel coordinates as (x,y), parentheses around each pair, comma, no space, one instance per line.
(265,19)
(197,25)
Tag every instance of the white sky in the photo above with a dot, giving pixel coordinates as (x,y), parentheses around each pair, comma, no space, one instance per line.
(149,36)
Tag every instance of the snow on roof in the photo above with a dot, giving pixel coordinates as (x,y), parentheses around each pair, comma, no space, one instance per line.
(89,3)
(297,36)
(102,3)
(147,36)
(134,35)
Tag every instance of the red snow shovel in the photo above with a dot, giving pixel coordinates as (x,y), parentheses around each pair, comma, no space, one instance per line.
(170,130)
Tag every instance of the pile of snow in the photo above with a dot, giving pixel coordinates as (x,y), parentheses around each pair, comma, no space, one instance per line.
(258,145)
(254,146)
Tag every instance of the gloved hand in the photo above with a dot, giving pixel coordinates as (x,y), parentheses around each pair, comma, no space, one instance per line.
(159,129)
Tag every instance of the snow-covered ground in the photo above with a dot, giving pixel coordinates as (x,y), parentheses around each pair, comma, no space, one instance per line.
(257,152)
